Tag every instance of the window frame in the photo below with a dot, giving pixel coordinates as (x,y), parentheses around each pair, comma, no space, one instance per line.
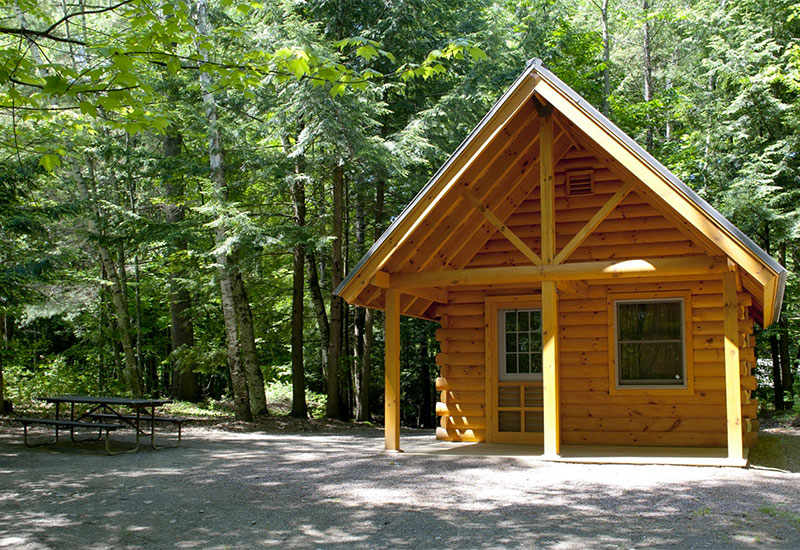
(502,375)
(687,387)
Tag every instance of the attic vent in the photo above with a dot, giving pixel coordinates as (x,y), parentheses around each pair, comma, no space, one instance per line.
(580,182)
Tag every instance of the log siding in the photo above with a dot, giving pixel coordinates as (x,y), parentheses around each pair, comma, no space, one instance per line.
(589,412)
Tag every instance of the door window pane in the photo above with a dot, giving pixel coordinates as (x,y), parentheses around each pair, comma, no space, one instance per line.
(520,332)
(524,363)
(511,342)
(523,318)
(511,321)
(511,363)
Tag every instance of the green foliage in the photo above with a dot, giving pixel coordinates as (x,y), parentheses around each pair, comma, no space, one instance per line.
(51,377)
(384,90)
(208,409)
(279,395)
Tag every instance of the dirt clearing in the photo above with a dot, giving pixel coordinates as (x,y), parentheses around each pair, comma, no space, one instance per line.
(337,489)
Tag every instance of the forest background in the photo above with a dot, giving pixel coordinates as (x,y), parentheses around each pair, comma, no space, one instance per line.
(182,184)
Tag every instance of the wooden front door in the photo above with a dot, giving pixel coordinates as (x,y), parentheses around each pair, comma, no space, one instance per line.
(518,390)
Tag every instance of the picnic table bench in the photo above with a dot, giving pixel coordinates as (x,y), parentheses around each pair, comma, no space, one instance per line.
(71,424)
(147,418)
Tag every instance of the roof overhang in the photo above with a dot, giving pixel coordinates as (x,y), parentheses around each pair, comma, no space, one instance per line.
(768,275)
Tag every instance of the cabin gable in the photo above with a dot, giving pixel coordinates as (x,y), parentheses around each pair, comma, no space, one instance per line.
(493,178)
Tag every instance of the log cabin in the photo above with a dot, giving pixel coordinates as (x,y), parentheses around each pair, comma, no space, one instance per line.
(585,294)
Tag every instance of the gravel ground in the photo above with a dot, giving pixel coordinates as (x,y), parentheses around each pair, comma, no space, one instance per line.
(337,489)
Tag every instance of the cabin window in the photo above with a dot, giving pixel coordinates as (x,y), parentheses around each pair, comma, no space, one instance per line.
(519,334)
(650,343)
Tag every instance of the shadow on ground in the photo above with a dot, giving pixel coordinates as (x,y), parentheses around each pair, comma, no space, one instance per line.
(237,490)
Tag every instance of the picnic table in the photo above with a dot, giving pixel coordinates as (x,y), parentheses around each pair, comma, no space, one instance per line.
(106,414)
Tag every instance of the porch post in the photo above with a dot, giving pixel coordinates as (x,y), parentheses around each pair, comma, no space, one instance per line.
(392,368)
(552,428)
(552,433)
(733,387)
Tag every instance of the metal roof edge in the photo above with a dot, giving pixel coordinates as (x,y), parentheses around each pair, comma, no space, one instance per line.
(431,182)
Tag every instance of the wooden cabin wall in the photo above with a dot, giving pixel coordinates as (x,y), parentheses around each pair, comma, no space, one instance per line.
(589,414)
(462,374)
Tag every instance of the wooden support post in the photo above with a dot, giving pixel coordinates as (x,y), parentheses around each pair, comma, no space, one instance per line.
(733,390)
(547,191)
(391,421)
(552,428)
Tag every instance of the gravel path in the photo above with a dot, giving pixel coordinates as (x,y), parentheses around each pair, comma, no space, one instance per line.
(225,489)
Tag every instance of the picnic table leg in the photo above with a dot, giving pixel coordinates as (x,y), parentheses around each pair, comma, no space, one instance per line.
(108,447)
(153,426)
(56,439)
(72,418)
(138,428)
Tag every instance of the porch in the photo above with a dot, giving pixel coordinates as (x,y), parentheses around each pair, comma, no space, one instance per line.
(581,454)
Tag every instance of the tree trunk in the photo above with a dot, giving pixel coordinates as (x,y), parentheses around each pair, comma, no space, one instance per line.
(239,385)
(335,340)
(132,371)
(185,384)
(152,381)
(319,308)
(776,372)
(4,318)
(359,316)
(362,409)
(647,69)
(787,380)
(298,193)
(606,58)
(359,325)
(668,85)
(427,399)
(241,395)
(247,346)
(360,377)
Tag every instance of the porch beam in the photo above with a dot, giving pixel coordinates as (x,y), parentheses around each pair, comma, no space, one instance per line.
(573,287)
(392,368)
(552,428)
(433,294)
(611,269)
(438,295)
(501,227)
(733,389)
(592,224)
